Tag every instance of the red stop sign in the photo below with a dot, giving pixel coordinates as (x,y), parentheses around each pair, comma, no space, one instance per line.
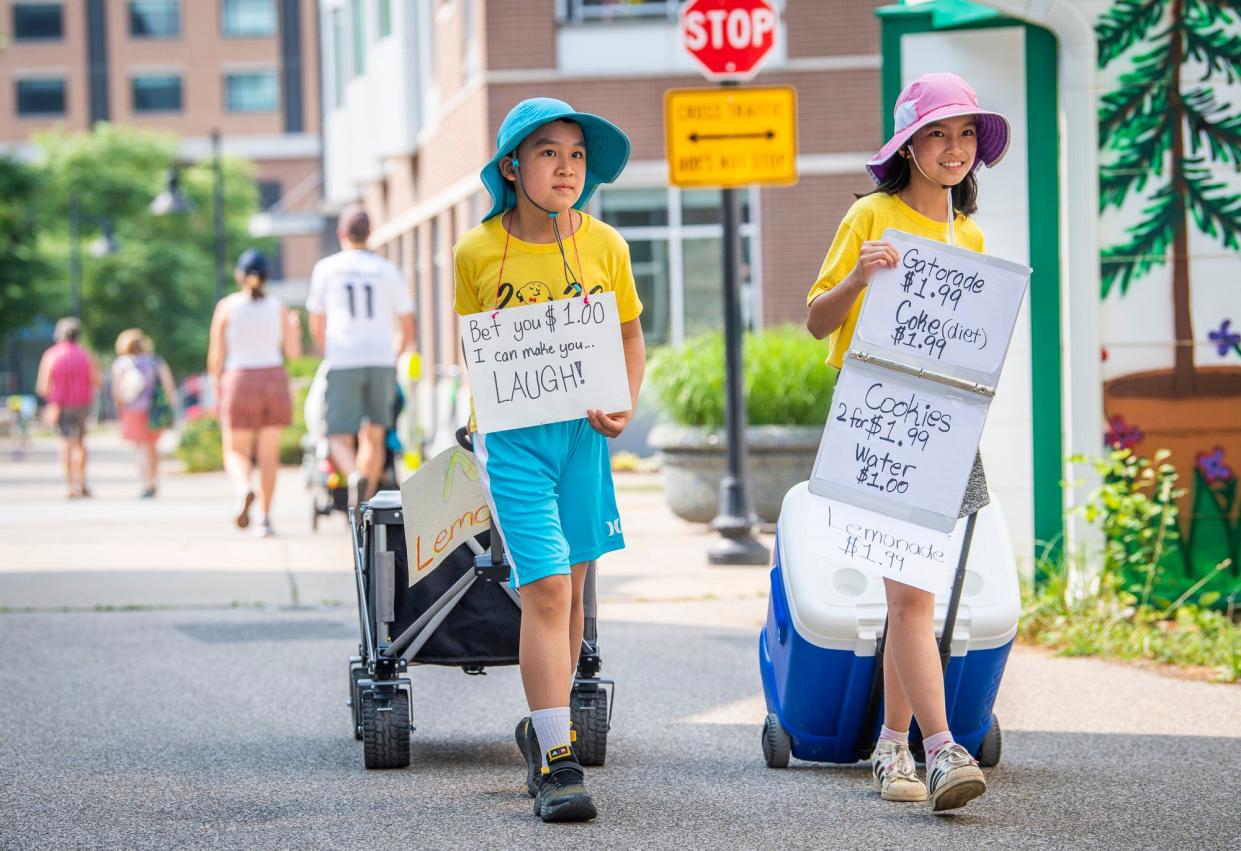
(729,38)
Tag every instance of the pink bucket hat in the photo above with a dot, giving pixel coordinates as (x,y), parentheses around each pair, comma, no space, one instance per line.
(933,97)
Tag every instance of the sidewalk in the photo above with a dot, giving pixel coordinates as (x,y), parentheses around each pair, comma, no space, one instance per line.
(182,550)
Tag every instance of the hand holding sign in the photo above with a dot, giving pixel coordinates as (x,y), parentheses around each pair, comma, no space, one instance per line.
(912,398)
(545,363)
(942,307)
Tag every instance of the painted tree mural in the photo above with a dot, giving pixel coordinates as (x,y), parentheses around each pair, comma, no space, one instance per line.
(1170,146)
(1158,127)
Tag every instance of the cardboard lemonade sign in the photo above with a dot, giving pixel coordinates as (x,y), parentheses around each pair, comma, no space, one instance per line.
(912,398)
(545,363)
(873,543)
(443,505)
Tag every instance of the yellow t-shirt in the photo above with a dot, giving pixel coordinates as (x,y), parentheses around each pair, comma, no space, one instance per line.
(866,221)
(534,272)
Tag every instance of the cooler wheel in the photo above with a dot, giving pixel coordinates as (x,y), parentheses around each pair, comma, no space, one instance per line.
(777,746)
(989,750)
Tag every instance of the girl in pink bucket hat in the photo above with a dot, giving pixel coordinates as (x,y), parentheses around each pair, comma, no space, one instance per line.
(927,187)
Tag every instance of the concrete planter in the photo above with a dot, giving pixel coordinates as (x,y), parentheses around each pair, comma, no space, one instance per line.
(694,461)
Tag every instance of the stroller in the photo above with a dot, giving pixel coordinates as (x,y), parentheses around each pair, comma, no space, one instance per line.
(329,489)
(463,613)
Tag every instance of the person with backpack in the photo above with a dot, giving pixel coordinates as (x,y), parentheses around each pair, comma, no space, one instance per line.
(144,393)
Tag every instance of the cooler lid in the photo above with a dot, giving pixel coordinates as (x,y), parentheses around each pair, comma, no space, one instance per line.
(835,591)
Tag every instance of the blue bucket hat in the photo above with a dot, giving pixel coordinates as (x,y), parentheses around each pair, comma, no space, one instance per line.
(607,149)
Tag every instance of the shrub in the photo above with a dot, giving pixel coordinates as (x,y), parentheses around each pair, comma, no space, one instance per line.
(200,448)
(1114,612)
(786,380)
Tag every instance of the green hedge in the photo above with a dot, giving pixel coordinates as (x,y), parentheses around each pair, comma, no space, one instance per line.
(787,382)
(202,451)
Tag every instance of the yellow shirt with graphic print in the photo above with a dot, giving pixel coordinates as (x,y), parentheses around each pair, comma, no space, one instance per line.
(866,221)
(534,273)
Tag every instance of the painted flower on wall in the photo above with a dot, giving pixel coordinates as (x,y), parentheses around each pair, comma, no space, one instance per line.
(1225,340)
(1122,435)
(1212,467)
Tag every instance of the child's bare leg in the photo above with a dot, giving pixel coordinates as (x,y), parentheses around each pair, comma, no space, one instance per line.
(911,646)
(897,713)
(577,616)
(545,668)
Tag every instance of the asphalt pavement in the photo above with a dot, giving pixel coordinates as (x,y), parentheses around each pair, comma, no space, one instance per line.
(168,681)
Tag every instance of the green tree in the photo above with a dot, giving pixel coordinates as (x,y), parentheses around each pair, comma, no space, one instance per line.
(24,291)
(1157,124)
(162,278)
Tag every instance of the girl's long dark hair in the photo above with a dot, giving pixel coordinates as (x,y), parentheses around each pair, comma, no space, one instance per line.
(964,194)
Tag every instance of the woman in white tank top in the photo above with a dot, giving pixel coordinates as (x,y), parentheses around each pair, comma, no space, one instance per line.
(252,333)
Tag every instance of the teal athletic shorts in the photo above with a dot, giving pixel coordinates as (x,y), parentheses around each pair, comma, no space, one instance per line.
(550,491)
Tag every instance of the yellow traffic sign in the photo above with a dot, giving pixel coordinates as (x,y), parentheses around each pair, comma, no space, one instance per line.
(731,136)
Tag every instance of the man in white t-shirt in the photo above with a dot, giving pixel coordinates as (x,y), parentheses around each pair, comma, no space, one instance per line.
(358,301)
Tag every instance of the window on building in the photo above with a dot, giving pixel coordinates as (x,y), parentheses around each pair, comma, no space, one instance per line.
(157,93)
(155,18)
(44,96)
(338,57)
(675,246)
(383,18)
(248,18)
(357,19)
(275,261)
(38,22)
(251,91)
(269,193)
(611,10)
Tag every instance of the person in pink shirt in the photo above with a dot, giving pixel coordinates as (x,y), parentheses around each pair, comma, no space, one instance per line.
(68,381)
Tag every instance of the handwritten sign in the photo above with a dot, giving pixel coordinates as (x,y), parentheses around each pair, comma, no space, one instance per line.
(875,543)
(898,445)
(443,506)
(942,307)
(545,363)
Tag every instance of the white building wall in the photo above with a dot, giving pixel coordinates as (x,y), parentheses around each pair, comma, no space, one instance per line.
(993,61)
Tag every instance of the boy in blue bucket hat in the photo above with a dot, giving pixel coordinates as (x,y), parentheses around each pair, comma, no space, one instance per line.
(549,487)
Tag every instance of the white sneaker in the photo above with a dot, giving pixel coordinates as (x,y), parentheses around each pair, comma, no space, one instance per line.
(265,530)
(893,771)
(954,778)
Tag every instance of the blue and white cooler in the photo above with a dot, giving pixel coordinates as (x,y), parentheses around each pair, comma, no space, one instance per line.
(817,652)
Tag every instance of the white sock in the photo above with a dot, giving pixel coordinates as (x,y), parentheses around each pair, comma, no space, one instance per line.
(890,735)
(552,728)
(933,744)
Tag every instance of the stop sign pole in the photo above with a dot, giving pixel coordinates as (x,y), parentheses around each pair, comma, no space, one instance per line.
(735,520)
(729,39)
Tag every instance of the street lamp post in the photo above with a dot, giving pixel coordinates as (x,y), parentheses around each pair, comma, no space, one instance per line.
(172,201)
(102,246)
(75,255)
(221,247)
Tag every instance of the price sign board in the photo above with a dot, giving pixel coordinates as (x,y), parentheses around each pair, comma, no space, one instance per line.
(943,308)
(545,363)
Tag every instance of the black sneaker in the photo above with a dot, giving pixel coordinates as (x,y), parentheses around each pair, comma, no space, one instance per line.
(562,795)
(528,744)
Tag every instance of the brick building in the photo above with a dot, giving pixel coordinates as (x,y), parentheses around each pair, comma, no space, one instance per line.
(415,92)
(245,68)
